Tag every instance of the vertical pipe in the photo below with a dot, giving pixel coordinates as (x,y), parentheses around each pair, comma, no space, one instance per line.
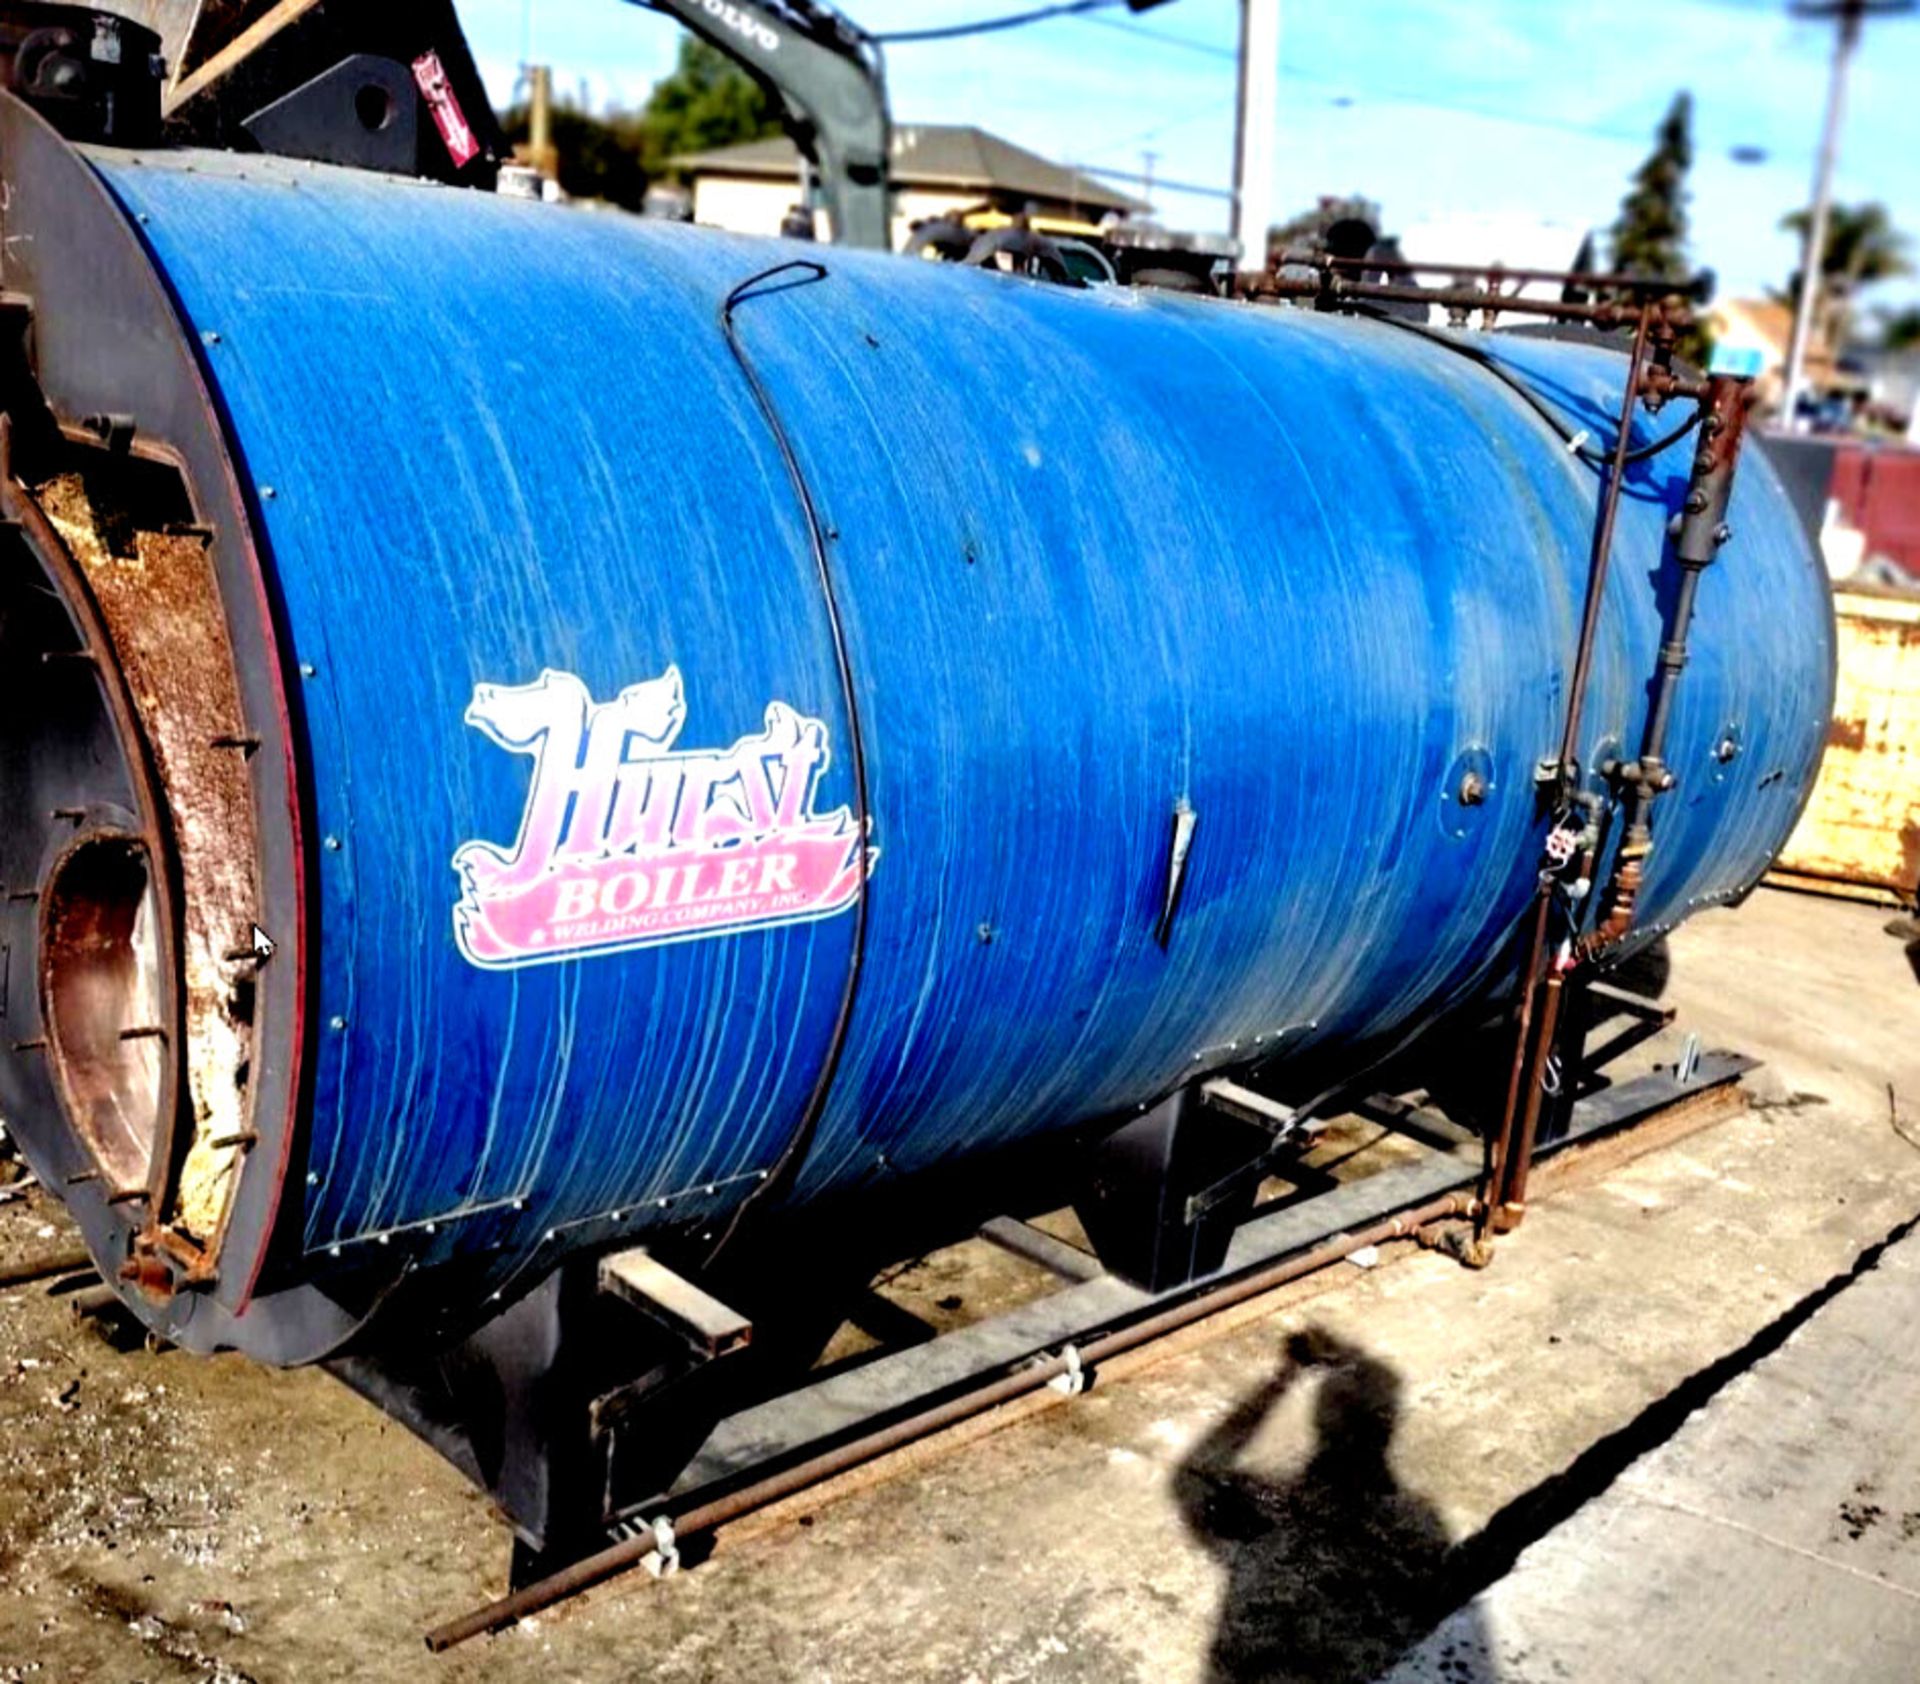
(1255,114)
(1529,1052)
(540,119)
(1513,1197)
(1846,38)
(1603,543)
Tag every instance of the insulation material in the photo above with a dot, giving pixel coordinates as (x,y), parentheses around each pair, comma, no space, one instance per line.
(158,598)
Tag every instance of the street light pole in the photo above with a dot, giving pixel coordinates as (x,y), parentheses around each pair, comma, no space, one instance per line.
(1848,15)
(1255,113)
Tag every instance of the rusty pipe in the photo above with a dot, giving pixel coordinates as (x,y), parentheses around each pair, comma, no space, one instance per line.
(1496,1167)
(1700,532)
(1336,288)
(706,1517)
(30,1269)
(1512,1208)
(1652,285)
(1493,1165)
(1603,544)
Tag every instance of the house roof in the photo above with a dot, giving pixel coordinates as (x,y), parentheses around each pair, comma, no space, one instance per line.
(934,155)
(1765,317)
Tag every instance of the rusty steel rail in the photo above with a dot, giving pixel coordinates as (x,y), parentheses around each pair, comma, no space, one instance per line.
(707,1517)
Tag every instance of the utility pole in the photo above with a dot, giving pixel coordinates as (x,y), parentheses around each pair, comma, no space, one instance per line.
(1848,15)
(1255,114)
(540,149)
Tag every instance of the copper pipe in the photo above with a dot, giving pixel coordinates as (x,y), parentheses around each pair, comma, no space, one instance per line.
(1493,1169)
(1513,1197)
(629,1552)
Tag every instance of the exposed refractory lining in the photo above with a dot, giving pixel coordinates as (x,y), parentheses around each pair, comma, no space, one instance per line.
(157,594)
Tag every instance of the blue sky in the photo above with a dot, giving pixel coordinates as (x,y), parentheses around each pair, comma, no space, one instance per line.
(1428,106)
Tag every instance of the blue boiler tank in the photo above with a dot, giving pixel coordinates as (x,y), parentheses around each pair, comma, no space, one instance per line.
(557,725)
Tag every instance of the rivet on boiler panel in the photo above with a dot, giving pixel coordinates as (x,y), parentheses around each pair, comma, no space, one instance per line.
(385,1239)
(618,1216)
(313,1178)
(433,1227)
(307,669)
(337,1023)
(519,1204)
(333,844)
(267,494)
(663,1203)
(333,1251)
(550,1236)
(209,337)
(710,1189)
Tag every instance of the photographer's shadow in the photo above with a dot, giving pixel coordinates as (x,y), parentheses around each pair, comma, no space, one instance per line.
(1334,1573)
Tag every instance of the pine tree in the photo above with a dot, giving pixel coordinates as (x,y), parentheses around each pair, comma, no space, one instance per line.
(1650,233)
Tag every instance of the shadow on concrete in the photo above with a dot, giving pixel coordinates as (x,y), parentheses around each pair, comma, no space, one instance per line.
(1333,1573)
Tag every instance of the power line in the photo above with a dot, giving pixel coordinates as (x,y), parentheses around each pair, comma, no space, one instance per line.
(1395,95)
(1009,20)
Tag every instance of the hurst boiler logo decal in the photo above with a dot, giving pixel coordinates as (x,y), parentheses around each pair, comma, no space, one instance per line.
(628,841)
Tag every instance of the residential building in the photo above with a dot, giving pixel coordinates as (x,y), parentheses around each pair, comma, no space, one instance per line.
(938,169)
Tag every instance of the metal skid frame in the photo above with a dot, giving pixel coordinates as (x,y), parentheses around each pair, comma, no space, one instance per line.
(609,1396)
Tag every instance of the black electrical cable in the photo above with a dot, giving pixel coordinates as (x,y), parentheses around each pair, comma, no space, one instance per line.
(1009,20)
(1575,437)
(795,1151)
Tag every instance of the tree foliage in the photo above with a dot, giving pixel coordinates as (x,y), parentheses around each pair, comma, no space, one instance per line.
(1649,236)
(1900,329)
(1862,246)
(706,102)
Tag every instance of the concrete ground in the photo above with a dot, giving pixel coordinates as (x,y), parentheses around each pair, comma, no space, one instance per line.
(1304,1499)
(1776,1535)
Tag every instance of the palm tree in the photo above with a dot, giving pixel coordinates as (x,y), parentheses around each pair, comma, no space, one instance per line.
(1863,246)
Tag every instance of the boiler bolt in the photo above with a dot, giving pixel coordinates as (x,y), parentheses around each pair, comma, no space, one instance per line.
(307,669)
(210,337)
(1722,533)
(333,844)
(1473,790)
(337,1023)
(267,493)
(1696,502)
